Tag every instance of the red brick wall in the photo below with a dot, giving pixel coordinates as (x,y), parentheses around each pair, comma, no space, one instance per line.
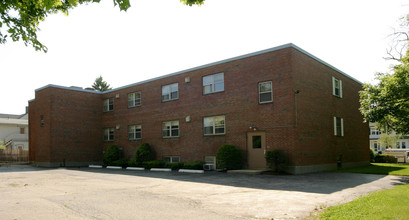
(72,126)
(77,120)
(316,108)
(239,104)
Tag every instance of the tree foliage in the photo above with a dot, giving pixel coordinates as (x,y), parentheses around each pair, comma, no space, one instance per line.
(388,101)
(101,85)
(20,19)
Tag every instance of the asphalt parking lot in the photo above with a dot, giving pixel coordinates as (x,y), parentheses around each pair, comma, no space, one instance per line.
(85,193)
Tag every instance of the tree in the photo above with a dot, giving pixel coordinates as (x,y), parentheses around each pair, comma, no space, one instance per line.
(101,85)
(20,19)
(388,140)
(388,101)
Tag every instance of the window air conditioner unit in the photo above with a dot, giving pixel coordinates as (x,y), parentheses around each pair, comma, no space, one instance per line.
(210,163)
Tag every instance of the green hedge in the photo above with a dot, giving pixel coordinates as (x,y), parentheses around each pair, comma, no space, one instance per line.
(174,166)
(384,158)
(144,153)
(111,154)
(276,159)
(121,162)
(229,157)
(198,165)
(153,164)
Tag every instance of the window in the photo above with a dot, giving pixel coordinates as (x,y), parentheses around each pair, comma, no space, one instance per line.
(170,129)
(22,130)
(171,159)
(397,145)
(108,104)
(108,134)
(375,131)
(214,125)
(170,92)
(256,141)
(375,147)
(265,92)
(42,120)
(336,87)
(213,83)
(134,132)
(134,99)
(338,126)
(403,145)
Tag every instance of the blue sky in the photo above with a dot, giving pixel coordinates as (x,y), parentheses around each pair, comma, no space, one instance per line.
(155,38)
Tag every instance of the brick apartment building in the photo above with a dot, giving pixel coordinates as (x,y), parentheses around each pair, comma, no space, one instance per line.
(281,97)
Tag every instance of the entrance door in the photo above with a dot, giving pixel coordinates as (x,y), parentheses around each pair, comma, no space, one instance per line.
(256,146)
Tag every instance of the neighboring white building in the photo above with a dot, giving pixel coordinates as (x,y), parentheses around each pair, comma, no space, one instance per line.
(14,132)
(375,145)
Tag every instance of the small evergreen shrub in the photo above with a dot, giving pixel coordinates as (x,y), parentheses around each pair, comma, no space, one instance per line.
(153,164)
(276,159)
(371,156)
(384,158)
(121,162)
(229,157)
(132,163)
(144,153)
(198,165)
(111,154)
(174,166)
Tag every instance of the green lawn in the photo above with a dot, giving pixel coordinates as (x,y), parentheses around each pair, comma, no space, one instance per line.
(386,204)
(380,168)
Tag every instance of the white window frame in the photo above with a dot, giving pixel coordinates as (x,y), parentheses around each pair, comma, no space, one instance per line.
(108,105)
(170,126)
(171,159)
(169,92)
(334,87)
(133,100)
(260,92)
(108,132)
(212,83)
(336,127)
(212,122)
(133,131)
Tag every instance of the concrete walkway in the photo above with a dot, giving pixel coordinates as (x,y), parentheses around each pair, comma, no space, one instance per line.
(35,193)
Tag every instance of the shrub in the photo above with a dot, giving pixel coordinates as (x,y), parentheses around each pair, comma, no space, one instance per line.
(144,153)
(153,164)
(229,157)
(371,156)
(121,162)
(198,165)
(276,159)
(383,158)
(111,154)
(174,166)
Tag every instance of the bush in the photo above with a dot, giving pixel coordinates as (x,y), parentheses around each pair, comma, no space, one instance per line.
(276,159)
(371,156)
(194,165)
(153,164)
(111,154)
(229,157)
(121,162)
(144,153)
(174,166)
(383,158)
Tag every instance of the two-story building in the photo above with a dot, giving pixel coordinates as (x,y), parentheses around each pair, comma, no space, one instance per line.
(279,98)
(402,141)
(14,137)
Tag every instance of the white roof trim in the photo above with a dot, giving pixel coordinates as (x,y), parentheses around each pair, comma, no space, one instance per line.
(205,66)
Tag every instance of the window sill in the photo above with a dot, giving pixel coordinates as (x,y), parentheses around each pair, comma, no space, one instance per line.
(213,92)
(268,102)
(138,139)
(170,137)
(169,100)
(212,135)
(134,106)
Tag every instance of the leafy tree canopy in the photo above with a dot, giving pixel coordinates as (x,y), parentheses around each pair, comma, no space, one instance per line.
(388,101)
(101,85)
(20,19)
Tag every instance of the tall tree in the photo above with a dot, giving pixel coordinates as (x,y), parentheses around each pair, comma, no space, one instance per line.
(387,102)
(20,19)
(101,85)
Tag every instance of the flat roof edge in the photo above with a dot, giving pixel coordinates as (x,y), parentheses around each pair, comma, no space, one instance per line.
(67,88)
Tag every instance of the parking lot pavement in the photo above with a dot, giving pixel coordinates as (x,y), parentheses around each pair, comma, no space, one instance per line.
(36,193)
